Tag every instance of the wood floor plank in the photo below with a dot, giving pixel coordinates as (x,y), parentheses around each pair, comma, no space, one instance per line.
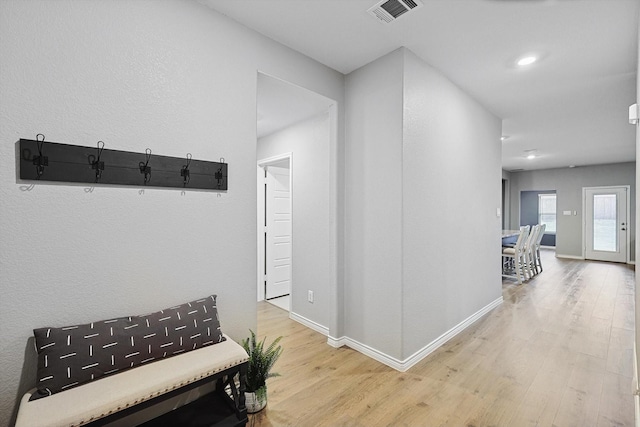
(580,402)
(540,405)
(620,355)
(623,312)
(557,352)
(615,408)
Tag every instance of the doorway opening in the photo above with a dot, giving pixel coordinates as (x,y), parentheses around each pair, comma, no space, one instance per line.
(299,250)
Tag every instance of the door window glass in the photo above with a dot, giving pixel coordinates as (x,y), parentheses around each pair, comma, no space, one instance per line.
(605,236)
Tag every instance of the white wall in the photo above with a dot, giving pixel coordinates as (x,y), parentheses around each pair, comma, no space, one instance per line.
(637,247)
(568,183)
(309,143)
(451,186)
(173,76)
(373,206)
(419,261)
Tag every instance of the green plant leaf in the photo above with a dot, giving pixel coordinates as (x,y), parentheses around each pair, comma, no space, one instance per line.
(261,360)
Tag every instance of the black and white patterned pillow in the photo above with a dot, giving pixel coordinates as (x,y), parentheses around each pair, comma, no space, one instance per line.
(74,355)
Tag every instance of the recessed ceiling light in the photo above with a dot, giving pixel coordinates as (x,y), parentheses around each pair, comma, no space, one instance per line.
(531,156)
(526,60)
(503,137)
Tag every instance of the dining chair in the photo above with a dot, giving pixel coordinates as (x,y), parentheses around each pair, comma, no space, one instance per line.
(530,250)
(514,258)
(537,261)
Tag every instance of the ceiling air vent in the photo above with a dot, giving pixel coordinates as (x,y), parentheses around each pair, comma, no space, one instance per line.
(388,11)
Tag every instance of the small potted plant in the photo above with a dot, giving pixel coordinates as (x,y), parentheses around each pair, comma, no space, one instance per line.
(261,360)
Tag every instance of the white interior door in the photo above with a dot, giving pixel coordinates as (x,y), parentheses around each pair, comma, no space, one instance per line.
(278,232)
(606,226)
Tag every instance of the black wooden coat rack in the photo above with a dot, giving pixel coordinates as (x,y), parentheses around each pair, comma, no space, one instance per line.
(51,161)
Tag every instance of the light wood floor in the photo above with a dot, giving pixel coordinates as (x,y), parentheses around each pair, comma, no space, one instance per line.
(558,352)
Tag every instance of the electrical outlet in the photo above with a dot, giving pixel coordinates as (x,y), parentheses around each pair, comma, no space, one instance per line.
(310,296)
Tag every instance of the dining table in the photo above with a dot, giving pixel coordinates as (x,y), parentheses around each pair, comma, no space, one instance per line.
(509,237)
(510,233)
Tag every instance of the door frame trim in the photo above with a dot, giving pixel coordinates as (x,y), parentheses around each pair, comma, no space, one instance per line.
(584,217)
(260,229)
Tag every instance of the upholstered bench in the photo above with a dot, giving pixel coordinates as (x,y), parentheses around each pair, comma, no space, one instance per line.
(100,395)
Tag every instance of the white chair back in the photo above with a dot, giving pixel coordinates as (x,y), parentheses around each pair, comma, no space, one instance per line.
(522,238)
(540,234)
(515,257)
(533,237)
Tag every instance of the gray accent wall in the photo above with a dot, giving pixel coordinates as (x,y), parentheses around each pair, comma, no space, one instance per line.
(568,183)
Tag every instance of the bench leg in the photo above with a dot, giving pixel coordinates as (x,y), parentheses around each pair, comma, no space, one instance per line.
(233,390)
(243,387)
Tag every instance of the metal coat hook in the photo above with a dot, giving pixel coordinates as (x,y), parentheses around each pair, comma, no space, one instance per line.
(72,163)
(40,161)
(98,165)
(218,175)
(145,168)
(184,172)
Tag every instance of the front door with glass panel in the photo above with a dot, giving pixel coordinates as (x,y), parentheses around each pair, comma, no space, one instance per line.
(606,227)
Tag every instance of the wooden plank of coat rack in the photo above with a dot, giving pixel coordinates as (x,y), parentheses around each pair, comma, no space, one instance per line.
(72,163)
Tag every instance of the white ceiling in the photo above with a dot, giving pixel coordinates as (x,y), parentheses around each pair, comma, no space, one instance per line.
(571,107)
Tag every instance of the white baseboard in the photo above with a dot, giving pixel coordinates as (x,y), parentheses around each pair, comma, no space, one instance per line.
(438,342)
(336,342)
(583,258)
(309,323)
(569,256)
(367,351)
(404,365)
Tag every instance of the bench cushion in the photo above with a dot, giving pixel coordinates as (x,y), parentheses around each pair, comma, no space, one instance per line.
(73,355)
(85,403)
